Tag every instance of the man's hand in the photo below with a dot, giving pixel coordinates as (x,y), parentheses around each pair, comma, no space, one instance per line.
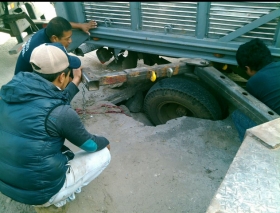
(84,26)
(77,76)
(87,26)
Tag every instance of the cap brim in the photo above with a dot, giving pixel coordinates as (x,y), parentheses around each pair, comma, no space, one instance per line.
(74,62)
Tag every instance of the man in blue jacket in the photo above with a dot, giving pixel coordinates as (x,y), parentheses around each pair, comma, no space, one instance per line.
(57,30)
(35,119)
(255,59)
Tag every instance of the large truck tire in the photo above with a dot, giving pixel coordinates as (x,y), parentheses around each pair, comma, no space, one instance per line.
(135,103)
(176,97)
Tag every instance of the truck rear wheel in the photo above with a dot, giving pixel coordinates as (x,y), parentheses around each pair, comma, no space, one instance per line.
(176,97)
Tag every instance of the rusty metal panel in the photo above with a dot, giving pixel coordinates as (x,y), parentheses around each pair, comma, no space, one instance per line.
(93,79)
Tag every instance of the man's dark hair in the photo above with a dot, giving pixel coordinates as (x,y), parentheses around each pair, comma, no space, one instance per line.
(52,77)
(254,54)
(57,26)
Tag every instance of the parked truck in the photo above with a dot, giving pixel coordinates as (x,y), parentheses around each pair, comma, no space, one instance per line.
(206,36)
(208,32)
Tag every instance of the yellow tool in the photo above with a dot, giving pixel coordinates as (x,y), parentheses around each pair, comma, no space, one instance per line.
(153,76)
(225,67)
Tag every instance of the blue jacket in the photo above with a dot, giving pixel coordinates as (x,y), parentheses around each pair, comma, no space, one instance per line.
(33,169)
(40,37)
(265,86)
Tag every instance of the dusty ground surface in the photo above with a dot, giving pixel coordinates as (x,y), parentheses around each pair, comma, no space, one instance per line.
(175,167)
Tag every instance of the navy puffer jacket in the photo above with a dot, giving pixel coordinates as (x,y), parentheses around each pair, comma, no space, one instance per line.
(33,169)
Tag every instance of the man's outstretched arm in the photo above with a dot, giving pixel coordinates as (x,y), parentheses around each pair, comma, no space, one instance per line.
(84,26)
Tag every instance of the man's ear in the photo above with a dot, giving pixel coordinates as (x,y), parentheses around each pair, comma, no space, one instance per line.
(54,38)
(249,71)
(61,78)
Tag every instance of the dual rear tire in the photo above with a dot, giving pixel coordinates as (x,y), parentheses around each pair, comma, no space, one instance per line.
(176,97)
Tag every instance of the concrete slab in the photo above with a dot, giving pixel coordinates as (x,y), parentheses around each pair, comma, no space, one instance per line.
(252,181)
(268,133)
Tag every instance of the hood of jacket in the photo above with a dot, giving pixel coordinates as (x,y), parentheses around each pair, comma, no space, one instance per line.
(27,86)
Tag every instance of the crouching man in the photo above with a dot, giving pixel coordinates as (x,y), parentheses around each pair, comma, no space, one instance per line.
(35,119)
(255,59)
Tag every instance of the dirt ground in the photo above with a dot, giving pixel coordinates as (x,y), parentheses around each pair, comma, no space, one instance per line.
(175,167)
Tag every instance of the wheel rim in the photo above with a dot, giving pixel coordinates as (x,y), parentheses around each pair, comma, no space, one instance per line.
(171,110)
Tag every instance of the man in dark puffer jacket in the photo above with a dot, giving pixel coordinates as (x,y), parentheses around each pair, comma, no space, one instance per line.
(35,119)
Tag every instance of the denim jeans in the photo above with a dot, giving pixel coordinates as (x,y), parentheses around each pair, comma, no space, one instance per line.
(83,169)
(242,123)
